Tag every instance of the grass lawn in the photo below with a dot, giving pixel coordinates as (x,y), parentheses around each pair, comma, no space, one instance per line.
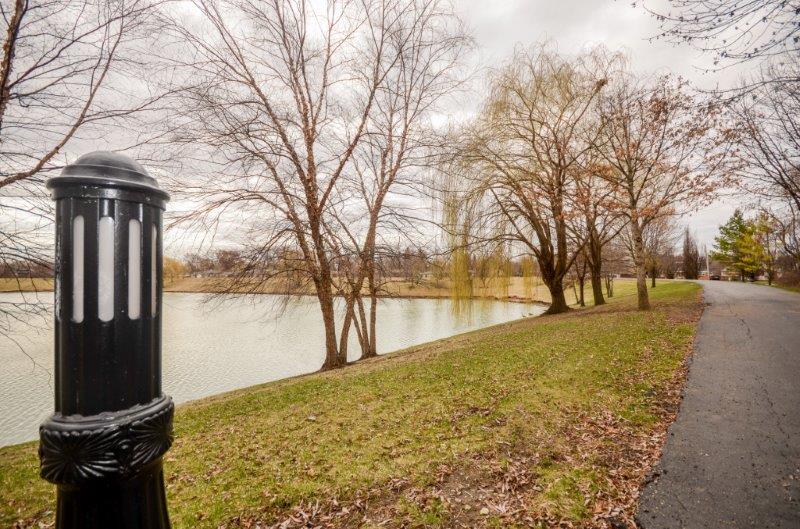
(531,423)
(782,287)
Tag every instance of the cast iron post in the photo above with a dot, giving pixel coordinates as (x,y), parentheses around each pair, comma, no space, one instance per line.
(104,444)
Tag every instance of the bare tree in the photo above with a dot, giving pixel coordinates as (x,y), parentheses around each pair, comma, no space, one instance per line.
(282,105)
(65,70)
(382,189)
(769,143)
(768,243)
(616,261)
(734,31)
(768,151)
(578,275)
(658,238)
(602,219)
(663,151)
(522,156)
(787,227)
(659,243)
(669,263)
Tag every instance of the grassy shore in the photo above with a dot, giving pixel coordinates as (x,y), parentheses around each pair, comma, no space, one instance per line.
(517,290)
(395,287)
(531,423)
(24,284)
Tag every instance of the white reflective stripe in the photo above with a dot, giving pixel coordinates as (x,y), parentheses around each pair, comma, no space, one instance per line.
(77,269)
(105,269)
(134,269)
(153,273)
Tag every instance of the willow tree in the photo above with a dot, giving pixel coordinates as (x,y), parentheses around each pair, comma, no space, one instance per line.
(664,148)
(521,157)
(529,274)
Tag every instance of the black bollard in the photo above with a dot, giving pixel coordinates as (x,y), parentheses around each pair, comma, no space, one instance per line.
(104,444)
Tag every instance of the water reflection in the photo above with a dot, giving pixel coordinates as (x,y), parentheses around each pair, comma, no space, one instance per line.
(217,347)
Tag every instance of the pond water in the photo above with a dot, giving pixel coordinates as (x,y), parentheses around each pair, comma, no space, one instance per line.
(212,347)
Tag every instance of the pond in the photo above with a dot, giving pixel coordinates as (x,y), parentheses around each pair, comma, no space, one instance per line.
(211,347)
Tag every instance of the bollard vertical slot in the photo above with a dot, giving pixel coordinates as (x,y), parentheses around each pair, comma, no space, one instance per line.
(105,269)
(77,268)
(154,273)
(134,269)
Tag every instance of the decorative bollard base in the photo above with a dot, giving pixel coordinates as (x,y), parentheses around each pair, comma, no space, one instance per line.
(108,466)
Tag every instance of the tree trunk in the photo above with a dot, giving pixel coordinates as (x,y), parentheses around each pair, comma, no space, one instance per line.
(639,261)
(345,336)
(594,258)
(361,318)
(581,285)
(373,317)
(370,348)
(653,277)
(332,357)
(559,302)
(366,324)
(597,286)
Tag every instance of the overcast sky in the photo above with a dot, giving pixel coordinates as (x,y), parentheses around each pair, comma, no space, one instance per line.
(572,25)
(575,24)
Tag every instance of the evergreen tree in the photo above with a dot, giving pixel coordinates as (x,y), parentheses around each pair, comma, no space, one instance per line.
(738,246)
(691,256)
(751,252)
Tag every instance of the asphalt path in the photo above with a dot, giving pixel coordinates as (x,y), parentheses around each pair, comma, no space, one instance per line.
(732,457)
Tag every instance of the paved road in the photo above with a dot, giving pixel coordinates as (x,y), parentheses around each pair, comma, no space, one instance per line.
(732,457)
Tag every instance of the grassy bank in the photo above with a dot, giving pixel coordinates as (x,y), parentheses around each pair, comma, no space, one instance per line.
(789,288)
(535,422)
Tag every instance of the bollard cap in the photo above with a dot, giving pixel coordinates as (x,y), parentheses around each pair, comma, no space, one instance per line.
(110,171)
